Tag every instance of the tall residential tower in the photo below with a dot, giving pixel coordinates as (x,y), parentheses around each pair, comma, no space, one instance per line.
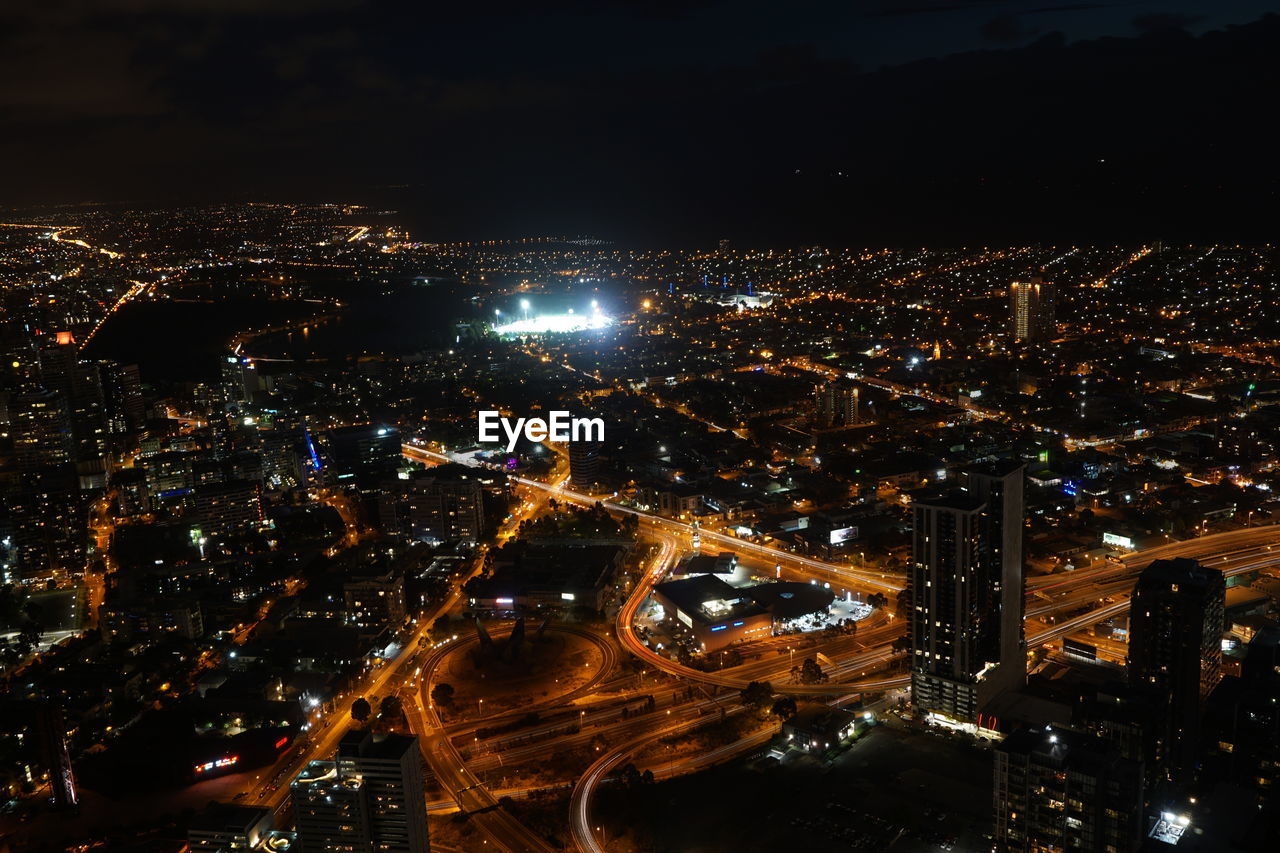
(966,636)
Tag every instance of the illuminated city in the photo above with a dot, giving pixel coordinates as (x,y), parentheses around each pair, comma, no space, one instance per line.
(613,440)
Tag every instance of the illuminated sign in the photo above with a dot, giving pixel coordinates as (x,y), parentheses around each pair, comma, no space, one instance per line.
(504,601)
(566,596)
(844,534)
(218,764)
(1117,541)
(719,627)
(282,741)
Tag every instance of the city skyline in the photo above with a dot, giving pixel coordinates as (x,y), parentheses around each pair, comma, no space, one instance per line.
(639,428)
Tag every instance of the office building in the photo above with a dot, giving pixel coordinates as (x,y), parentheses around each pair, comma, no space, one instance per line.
(584,463)
(1175,648)
(239,379)
(41,428)
(331,812)
(444,504)
(966,585)
(365,456)
(369,798)
(51,734)
(838,404)
(79,385)
(1065,790)
(1032,309)
(124,407)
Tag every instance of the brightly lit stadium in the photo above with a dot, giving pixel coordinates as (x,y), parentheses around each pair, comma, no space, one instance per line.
(531,323)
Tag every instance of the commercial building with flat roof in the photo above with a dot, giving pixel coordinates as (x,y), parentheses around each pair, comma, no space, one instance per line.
(715,613)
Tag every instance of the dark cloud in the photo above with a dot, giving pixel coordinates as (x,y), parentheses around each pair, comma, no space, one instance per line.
(1164,21)
(1006,29)
(629,118)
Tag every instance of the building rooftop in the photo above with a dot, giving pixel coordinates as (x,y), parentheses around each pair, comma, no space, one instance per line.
(708,599)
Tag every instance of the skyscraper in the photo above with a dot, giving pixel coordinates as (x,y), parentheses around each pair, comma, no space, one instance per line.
(331,812)
(41,429)
(125,408)
(391,767)
(584,463)
(366,456)
(1060,789)
(966,587)
(1032,309)
(239,379)
(442,504)
(1175,647)
(369,798)
(837,404)
(51,732)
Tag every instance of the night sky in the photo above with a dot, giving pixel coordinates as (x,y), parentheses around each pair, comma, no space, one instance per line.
(858,122)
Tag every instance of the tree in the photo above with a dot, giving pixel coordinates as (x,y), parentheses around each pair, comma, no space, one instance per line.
(784,707)
(391,708)
(902,604)
(361,709)
(630,776)
(811,673)
(442,694)
(757,694)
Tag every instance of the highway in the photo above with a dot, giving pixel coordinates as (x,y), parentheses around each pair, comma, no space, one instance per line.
(858,578)
(1102,591)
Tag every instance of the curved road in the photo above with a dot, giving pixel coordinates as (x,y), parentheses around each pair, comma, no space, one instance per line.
(445,760)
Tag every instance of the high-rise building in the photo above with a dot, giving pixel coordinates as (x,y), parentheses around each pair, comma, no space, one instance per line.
(391,767)
(584,463)
(125,409)
(370,798)
(239,379)
(282,453)
(227,508)
(838,404)
(1001,486)
(79,385)
(966,590)
(443,504)
(1175,647)
(41,428)
(365,456)
(51,732)
(47,517)
(331,812)
(1032,309)
(1061,789)
(375,602)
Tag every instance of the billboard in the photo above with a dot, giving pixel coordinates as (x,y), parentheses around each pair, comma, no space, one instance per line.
(843,535)
(1115,540)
